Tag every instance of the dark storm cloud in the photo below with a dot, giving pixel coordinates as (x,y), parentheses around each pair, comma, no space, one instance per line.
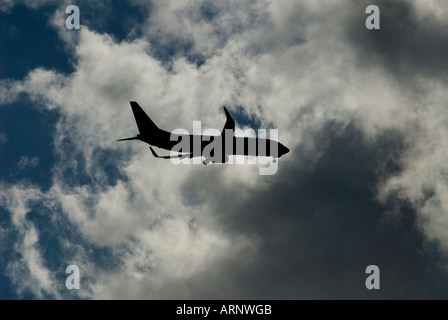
(405,45)
(319,225)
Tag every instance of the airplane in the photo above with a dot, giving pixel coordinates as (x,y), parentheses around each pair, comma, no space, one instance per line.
(224,145)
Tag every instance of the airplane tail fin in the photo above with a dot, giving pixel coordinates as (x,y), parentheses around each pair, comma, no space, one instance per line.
(145,125)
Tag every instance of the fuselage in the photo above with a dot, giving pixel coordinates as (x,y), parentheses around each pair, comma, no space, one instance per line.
(217,147)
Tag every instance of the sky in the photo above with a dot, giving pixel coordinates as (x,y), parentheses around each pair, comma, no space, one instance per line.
(362,111)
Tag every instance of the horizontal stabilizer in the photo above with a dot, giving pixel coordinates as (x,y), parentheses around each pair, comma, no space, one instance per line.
(134,138)
(179,156)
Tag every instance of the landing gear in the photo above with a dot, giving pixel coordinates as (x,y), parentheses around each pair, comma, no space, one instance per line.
(213,160)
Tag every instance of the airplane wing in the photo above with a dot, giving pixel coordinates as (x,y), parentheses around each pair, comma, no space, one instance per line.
(230,123)
(179,156)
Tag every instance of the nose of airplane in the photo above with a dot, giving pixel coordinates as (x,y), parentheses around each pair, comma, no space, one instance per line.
(283,150)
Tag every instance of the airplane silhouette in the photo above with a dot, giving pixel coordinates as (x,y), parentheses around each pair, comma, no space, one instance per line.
(224,145)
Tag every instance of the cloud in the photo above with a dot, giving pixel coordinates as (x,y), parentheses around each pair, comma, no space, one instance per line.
(364,184)
(409,47)
(3,138)
(135,219)
(198,29)
(30,268)
(27,162)
(6,5)
(27,269)
(3,238)
(319,220)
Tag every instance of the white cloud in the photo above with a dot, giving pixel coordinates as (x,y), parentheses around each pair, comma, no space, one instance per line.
(424,180)
(206,26)
(27,162)
(28,270)
(171,241)
(429,10)
(3,138)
